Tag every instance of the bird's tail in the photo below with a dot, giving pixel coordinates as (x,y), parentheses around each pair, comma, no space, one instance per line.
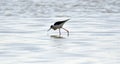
(66,19)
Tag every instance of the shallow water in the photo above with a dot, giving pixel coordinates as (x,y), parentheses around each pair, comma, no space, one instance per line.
(94,32)
(92,40)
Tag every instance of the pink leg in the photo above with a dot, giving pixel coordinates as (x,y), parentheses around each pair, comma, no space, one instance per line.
(59,32)
(67,31)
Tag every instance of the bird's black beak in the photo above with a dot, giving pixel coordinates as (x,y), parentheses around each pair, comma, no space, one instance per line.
(49,29)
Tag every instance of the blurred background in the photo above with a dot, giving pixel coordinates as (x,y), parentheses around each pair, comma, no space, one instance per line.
(55,8)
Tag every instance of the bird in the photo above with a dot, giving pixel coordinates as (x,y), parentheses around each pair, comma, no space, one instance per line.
(59,25)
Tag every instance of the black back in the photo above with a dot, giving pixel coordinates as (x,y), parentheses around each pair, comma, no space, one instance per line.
(60,22)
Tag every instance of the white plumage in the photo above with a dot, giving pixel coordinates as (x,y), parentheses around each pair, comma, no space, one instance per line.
(59,25)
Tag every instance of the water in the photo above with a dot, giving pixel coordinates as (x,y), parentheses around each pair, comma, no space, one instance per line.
(94,37)
(26,41)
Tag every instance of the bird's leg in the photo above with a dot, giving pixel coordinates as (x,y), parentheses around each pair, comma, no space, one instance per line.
(67,31)
(59,32)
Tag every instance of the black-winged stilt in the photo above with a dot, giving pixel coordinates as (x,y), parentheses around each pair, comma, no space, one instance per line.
(59,25)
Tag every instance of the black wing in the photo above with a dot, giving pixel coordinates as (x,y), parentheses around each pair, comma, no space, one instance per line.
(60,22)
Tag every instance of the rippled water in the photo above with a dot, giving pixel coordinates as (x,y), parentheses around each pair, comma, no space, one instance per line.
(91,41)
(94,32)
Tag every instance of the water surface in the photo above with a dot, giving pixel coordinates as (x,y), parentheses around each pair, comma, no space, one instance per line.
(91,41)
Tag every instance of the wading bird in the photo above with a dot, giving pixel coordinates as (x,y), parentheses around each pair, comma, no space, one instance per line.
(59,25)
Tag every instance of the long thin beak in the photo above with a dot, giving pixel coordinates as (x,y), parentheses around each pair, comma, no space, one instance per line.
(49,29)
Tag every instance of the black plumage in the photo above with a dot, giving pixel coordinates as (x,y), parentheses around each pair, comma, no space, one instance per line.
(58,25)
(60,22)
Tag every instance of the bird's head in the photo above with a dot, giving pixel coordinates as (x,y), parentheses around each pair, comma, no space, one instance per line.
(51,27)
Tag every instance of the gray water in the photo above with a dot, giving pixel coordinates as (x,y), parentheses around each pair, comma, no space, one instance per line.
(94,37)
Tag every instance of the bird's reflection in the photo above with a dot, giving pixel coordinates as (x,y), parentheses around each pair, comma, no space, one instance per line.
(56,36)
